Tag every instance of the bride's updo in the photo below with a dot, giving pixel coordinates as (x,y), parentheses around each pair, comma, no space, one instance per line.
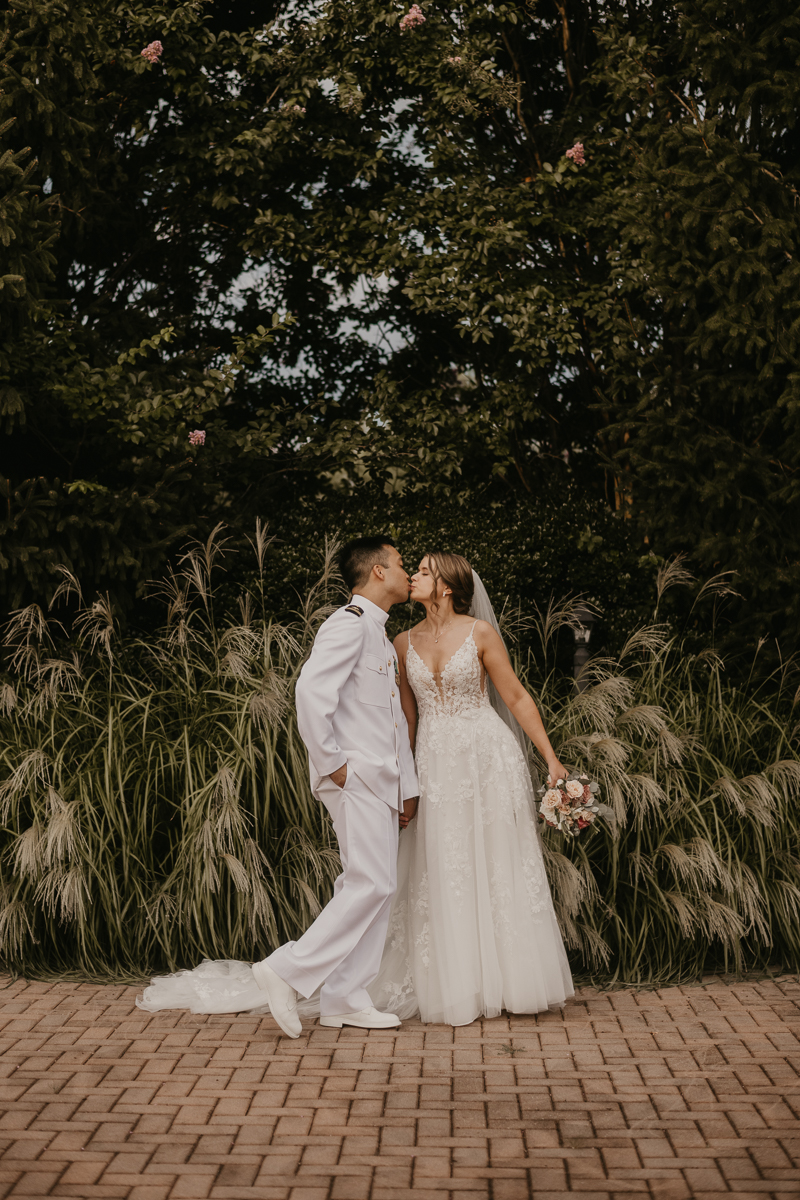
(455,573)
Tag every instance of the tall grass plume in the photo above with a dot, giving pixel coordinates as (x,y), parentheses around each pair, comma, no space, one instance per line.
(155,805)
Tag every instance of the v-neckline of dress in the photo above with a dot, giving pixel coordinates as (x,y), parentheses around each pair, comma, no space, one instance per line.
(468,638)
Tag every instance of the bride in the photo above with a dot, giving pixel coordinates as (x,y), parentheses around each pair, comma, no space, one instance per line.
(472,930)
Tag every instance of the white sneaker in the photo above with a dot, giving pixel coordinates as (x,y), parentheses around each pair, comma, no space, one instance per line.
(368,1018)
(282,999)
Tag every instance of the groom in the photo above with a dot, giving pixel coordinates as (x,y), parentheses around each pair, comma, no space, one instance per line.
(362,769)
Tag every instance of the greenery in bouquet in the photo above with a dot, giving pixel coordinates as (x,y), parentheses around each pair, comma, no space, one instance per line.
(572,804)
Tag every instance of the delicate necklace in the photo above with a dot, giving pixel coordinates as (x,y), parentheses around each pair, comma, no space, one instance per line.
(441,631)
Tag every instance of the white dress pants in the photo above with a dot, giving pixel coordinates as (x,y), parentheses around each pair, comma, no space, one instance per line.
(342,949)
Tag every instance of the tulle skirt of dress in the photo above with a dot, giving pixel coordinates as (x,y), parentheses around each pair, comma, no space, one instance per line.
(225,986)
(220,986)
(473,930)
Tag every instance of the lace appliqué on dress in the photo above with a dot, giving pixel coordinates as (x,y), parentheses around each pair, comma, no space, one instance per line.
(536,883)
(479,901)
(502,901)
(458,867)
(421,925)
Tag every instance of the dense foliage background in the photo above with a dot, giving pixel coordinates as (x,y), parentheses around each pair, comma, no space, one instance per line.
(466,313)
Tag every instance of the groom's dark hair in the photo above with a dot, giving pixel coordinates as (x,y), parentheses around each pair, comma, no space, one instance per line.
(358,557)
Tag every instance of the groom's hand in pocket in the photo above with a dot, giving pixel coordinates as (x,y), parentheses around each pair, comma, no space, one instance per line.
(340,777)
(409,811)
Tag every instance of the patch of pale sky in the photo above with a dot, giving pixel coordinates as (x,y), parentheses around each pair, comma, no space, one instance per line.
(368,327)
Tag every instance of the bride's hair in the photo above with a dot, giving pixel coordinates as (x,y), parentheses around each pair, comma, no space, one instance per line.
(456,573)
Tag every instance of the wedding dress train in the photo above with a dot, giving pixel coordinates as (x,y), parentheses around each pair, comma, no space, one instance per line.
(472,929)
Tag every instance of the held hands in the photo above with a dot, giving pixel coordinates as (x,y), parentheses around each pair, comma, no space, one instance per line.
(409,811)
(340,777)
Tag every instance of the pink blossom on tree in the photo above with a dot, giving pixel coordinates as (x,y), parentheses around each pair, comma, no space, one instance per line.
(153,52)
(197,437)
(576,154)
(412,18)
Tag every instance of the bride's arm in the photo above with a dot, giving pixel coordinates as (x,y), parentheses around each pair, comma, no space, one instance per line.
(407,701)
(499,669)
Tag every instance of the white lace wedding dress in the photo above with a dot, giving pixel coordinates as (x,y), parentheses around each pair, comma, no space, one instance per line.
(472,930)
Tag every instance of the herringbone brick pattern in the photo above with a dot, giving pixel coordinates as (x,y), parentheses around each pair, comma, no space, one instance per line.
(685,1092)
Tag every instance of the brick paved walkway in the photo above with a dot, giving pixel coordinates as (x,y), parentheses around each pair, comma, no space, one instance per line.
(686,1092)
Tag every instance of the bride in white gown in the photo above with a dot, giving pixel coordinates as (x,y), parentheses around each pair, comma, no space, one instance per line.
(472,930)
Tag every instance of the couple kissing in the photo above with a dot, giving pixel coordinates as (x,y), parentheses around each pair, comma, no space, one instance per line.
(422,743)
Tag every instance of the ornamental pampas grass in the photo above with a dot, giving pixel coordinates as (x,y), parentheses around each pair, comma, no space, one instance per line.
(701,870)
(154,791)
(156,809)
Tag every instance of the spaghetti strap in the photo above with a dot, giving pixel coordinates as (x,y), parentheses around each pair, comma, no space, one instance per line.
(474,623)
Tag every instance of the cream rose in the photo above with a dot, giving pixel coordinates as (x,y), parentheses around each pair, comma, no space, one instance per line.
(551,799)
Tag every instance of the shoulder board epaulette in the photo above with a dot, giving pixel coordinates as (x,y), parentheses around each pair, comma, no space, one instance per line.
(353,608)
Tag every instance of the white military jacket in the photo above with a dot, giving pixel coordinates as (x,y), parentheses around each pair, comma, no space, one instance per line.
(348,704)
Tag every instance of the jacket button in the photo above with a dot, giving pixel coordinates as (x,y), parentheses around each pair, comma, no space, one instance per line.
(392,693)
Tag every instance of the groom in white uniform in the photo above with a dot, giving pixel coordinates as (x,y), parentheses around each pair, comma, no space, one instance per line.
(362,769)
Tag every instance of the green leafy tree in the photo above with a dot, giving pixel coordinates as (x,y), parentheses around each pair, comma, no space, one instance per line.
(341,167)
(98,471)
(705,384)
(479,314)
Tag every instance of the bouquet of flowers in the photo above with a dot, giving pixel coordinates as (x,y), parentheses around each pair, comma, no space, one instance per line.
(572,804)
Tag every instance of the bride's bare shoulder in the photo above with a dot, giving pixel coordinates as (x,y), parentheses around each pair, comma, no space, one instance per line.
(484,632)
(401,641)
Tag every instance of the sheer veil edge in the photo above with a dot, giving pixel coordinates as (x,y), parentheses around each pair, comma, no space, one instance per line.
(481,608)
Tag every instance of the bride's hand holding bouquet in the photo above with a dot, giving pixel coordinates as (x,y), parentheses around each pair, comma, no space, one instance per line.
(570,801)
(555,770)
